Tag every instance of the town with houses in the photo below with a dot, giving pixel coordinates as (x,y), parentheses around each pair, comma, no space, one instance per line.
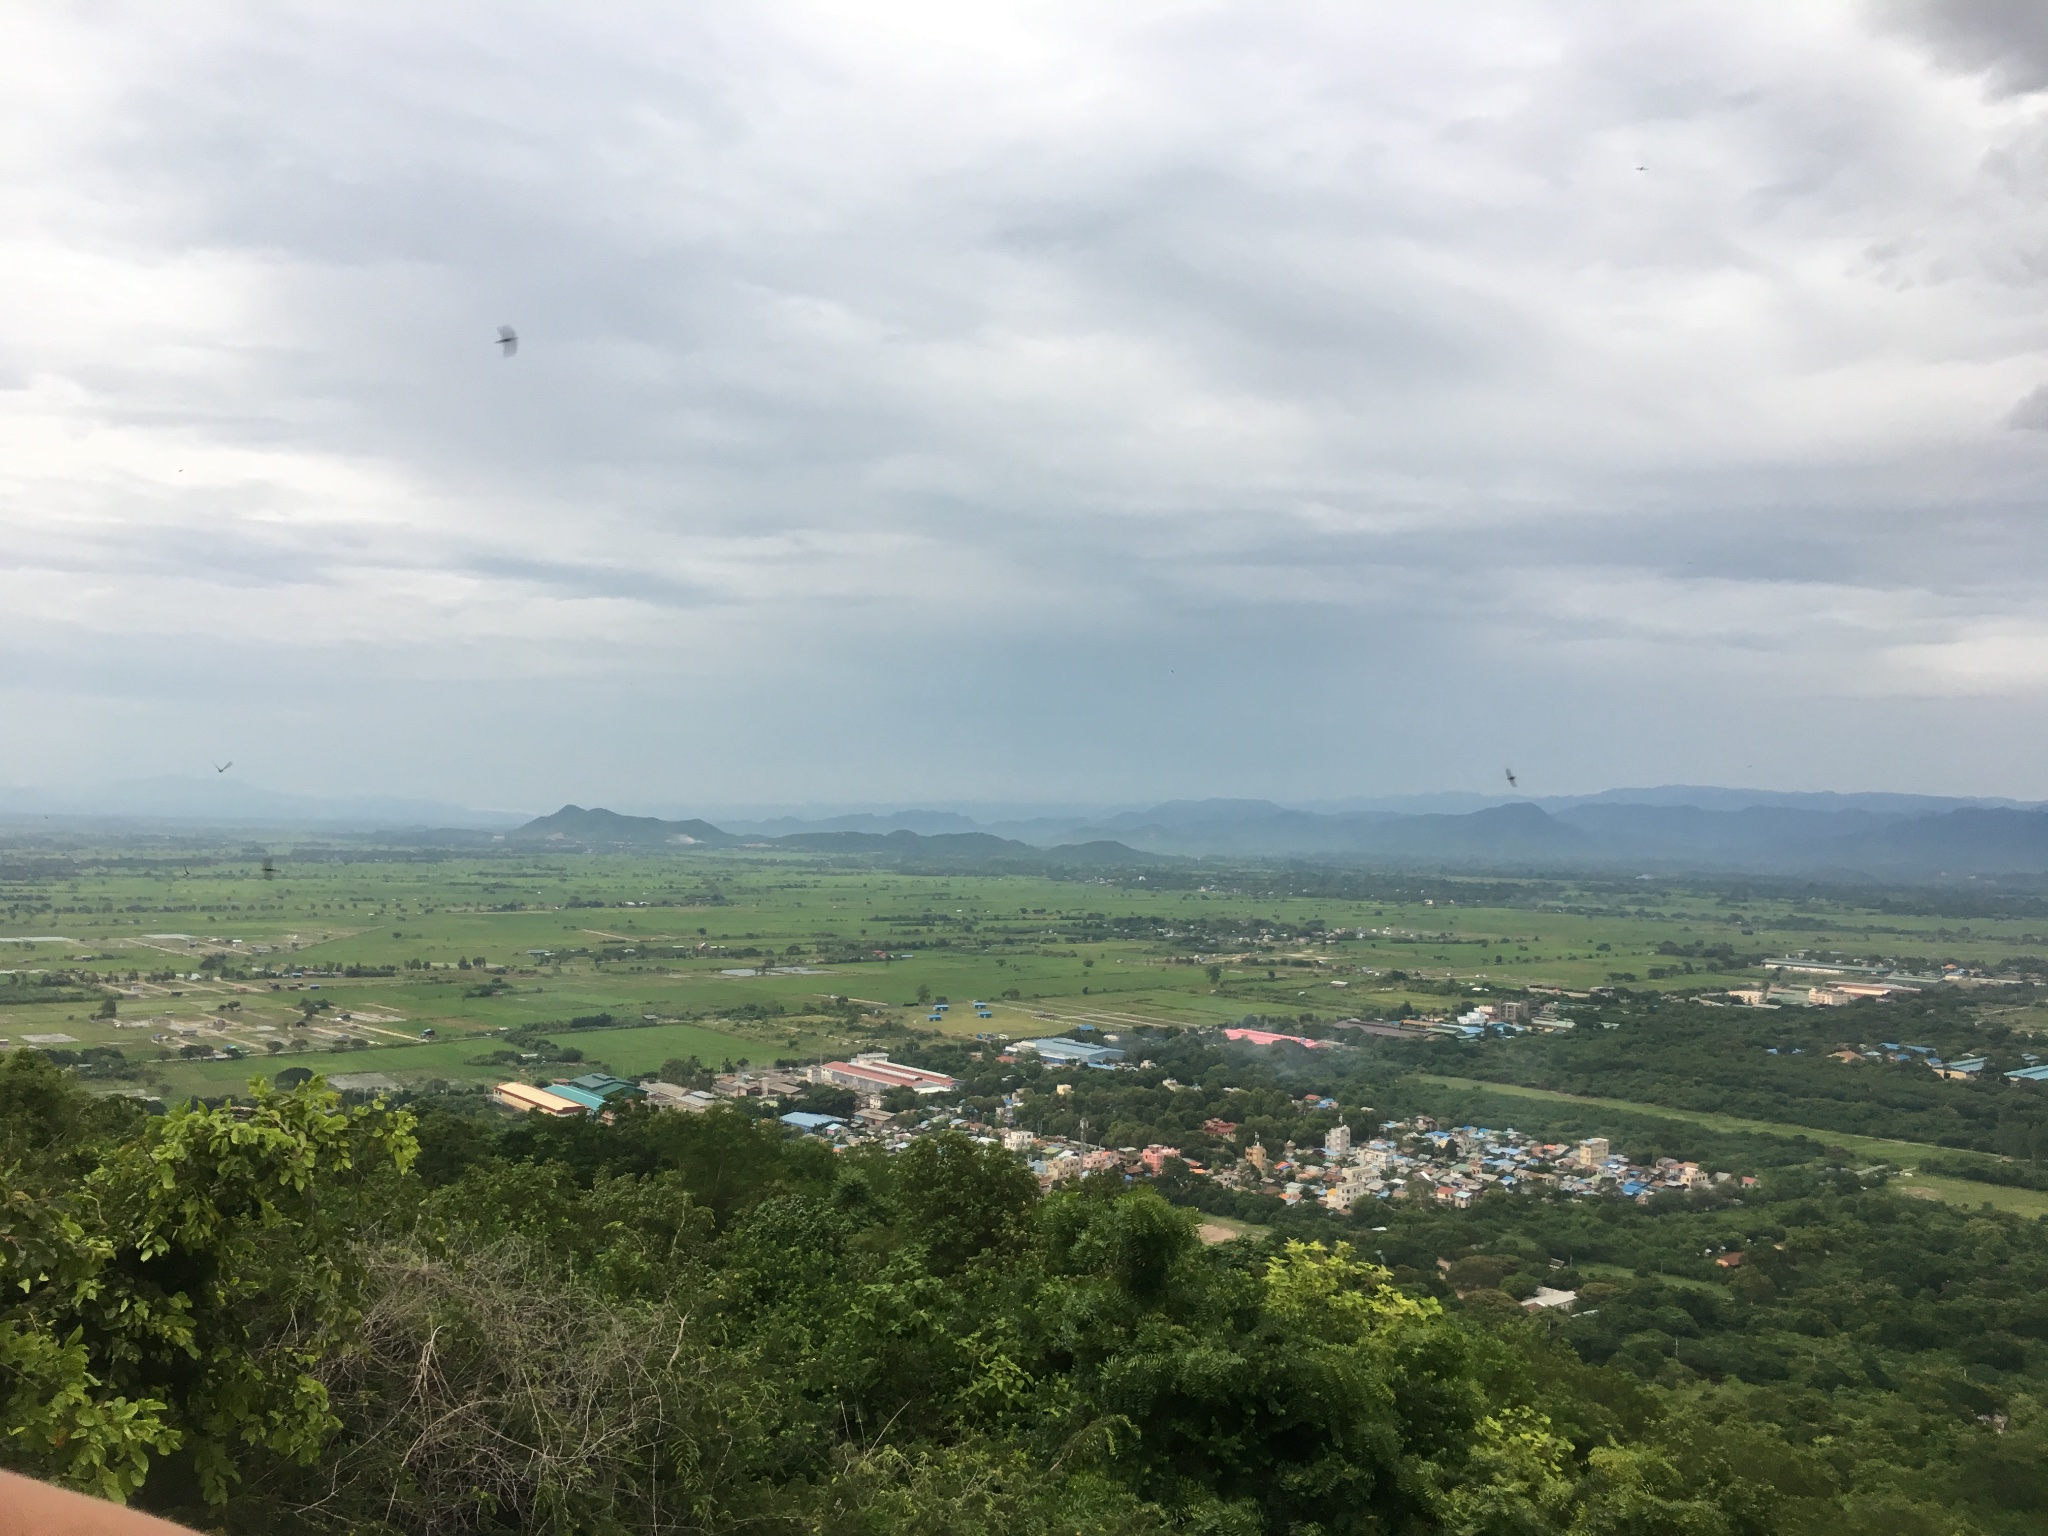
(1395,1160)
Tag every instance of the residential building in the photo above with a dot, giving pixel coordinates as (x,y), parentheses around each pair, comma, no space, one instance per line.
(1154,1157)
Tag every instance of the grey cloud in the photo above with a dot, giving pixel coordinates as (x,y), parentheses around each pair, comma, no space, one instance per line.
(1341,359)
(2005,40)
(2031,414)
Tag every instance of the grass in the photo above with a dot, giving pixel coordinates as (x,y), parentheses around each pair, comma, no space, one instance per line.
(1967,1192)
(389,912)
(1594,1270)
(626,1051)
(1224,1229)
(581,934)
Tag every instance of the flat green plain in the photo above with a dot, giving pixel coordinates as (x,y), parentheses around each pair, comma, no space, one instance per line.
(663,936)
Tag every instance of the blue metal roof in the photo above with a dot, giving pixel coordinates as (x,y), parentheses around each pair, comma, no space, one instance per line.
(1057,1049)
(803,1120)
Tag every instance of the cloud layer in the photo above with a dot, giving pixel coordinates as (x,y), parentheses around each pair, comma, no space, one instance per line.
(1055,400)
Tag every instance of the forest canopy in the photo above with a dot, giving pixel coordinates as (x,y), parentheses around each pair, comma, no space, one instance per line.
(285,1313)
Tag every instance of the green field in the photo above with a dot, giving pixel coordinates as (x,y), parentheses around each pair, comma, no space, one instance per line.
(625,1051)
(573,935)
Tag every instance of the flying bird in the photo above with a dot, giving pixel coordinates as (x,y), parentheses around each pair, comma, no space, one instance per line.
(507,339)
(269,870)
(1513,782)
(224,767)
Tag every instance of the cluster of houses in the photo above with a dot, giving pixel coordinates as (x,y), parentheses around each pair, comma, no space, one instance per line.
(1417,1159)
(1965,1068)
(1408,1160)
(1412,1159)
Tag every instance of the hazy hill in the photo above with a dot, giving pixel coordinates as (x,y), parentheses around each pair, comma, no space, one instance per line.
(1889,836)
(1968,841)
(573,826)
(972,848)
(927,822)
(601,828)
(1670,828)
(1878,835)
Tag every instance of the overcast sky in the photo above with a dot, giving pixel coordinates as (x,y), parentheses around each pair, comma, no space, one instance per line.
(1064,402)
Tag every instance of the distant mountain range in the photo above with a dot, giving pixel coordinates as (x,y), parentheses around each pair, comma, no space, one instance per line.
(1668,828)
(573,826)
(1853,839)
(1877,835)
(602,828)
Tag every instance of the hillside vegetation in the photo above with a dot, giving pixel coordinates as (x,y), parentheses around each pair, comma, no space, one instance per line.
(287,1315)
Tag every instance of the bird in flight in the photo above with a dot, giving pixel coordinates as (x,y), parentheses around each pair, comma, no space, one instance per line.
(269,870)
(508,339)
(224,767)
(1513,782)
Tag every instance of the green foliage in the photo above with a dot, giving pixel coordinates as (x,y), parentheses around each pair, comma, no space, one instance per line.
(306,1319)
(50,1127)
(959,1198)
(196,1277)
